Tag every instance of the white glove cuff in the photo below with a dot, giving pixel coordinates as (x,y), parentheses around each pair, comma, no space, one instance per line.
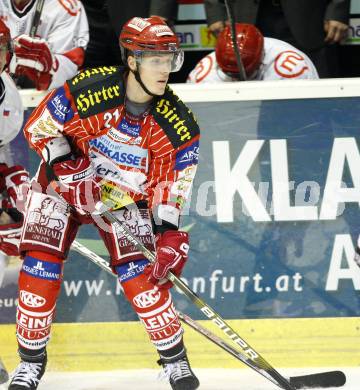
(55,150)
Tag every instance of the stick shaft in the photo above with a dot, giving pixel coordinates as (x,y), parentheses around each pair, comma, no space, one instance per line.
(37,16)
(230,14)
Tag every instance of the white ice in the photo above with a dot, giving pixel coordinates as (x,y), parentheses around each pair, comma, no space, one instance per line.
(211,379)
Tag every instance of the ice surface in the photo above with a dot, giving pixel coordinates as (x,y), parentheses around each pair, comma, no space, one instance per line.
(211,379)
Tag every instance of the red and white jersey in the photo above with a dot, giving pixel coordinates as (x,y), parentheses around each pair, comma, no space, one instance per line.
(281,62)
(11,113)
(63,25)
(152,158)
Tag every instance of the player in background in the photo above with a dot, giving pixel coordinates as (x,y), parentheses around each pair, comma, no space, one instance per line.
(57,51)
(116,134)
(13,179)
(263,59)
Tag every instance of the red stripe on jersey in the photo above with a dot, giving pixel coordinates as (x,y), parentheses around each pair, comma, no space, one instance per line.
(76,56)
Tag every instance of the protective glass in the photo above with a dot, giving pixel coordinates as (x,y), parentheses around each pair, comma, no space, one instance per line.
(160,61)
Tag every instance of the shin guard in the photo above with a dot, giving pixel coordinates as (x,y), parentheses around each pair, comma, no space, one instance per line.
(154,307)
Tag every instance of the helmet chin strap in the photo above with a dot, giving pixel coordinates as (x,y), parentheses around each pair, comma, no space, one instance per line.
(143,86)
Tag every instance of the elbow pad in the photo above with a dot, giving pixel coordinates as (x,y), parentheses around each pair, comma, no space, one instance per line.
(56,150)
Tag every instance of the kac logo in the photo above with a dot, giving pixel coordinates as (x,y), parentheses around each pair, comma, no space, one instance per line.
(146,299)
(31,300)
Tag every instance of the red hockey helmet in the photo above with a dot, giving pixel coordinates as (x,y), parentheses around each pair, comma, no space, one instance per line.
(250,43)
(5,45)
(144,36)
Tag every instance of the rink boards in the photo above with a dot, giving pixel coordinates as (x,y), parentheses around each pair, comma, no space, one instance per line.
(274,218)
(290,343)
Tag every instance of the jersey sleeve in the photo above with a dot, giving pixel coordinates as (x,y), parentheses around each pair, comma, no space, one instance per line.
(49,120)
(68,40)
(172,171)
(174,152)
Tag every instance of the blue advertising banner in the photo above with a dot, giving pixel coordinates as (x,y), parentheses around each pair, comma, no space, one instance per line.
(273,219)
(275,208)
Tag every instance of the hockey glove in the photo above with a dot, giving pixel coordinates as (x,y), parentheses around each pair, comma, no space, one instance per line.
(10,232)
(78,183)
(171,254)
(15,181)
(33,59)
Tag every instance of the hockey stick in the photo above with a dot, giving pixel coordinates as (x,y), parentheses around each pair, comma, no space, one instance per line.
(248,355)
(37,16)
(230,14)
(325,379)
(320,379)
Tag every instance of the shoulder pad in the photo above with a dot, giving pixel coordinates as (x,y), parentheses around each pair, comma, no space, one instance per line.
(175,118)
(96,90)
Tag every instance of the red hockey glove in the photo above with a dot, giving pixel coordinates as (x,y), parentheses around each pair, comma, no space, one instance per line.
(34,60)
(171,254)
(10,233)
(15,180)
(78,183)
(3,167)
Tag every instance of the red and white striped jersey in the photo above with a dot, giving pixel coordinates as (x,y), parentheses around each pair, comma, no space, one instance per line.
(281,62)
(63,25)
(151,158)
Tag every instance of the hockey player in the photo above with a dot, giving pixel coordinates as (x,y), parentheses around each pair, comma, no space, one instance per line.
(13,179)
(119,134)
(263,59)
(56,52)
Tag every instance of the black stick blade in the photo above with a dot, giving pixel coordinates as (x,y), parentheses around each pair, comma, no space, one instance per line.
(321,379)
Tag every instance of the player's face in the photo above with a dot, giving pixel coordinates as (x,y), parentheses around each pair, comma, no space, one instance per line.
(155,70)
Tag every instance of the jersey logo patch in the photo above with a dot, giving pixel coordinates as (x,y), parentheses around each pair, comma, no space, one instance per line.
(175,119)
(97,90)
(290,64)
(41,269)
(130,270)
(59,107)
(132,129)
(187,156)
(130,156)
(203,68)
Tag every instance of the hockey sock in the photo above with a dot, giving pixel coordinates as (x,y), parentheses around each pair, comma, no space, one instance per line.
(154,307)
(173,354)
(39,287)
(33,356)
